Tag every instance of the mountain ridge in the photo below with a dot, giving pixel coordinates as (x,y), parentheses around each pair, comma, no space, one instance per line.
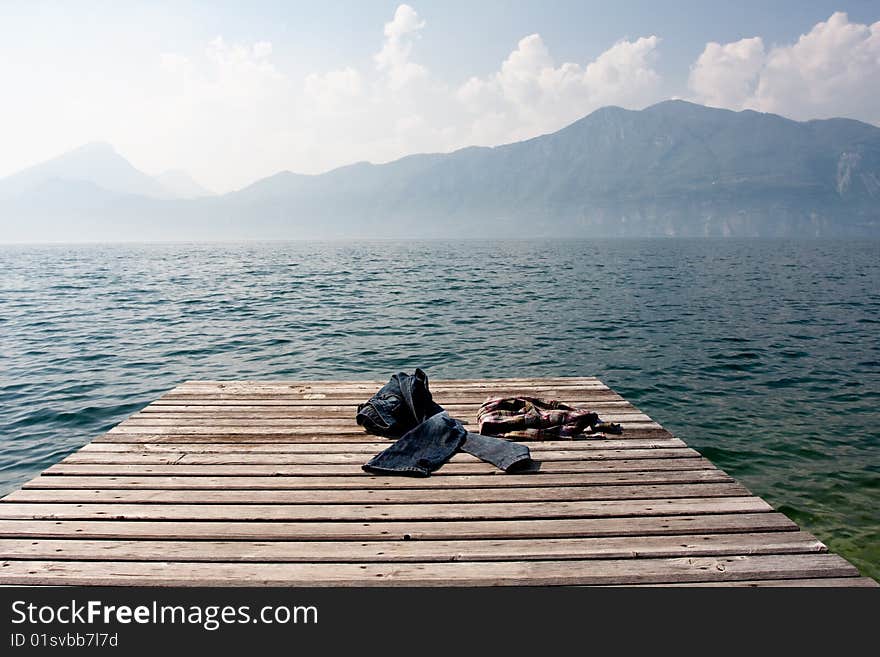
(100,164)
(671,169)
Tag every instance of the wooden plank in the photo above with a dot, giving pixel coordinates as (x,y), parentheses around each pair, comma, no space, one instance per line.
(550,467)
(380,512)
(250,430)
(820,582)
(340,437)
(285,417)
(629,547)
(322,399)
(342,410)
(534,573)
(379,382)
(536,447)
(437,387)
(370,496)
(328,410)
(483,390)
(511,481)
(584,400)
(359,459)
(400,530)
(372,384)
(346,424)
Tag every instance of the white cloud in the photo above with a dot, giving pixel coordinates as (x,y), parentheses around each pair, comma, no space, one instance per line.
(174,63)
(531,94)
(240,60)
(262,49)
(727,75)
(519,79)
(833,70)
(394,57)
(624,73)
(335,90)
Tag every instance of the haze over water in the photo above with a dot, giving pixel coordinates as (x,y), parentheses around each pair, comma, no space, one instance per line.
(764,355)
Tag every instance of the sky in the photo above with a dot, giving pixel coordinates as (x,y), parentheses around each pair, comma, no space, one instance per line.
(232,92)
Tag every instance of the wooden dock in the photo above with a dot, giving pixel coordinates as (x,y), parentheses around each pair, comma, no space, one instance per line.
(260,483)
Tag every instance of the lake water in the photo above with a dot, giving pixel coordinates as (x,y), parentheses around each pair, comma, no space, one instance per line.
(764,355)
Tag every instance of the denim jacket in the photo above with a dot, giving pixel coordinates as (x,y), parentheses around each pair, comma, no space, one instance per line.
(400,405)
(427,436)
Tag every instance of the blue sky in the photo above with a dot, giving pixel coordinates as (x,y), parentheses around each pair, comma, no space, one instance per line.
(234,91)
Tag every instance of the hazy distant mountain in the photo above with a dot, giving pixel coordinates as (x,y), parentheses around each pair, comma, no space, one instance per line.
(96,163)
(672,169)
(92,175)
(181,185)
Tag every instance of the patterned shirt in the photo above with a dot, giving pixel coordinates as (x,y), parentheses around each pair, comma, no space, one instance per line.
(530,418)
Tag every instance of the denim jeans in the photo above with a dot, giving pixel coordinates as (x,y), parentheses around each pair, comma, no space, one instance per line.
(430,444)
(499,452)
(426,436)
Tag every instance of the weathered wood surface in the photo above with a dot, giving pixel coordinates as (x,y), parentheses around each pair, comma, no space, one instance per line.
(401,530)
(353,470)
(456,573)
(248,483)
(615,547)
(374,496)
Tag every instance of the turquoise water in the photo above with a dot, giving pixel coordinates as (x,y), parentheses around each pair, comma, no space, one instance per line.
(764,355)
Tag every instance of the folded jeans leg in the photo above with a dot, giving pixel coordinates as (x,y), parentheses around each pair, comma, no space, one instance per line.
(422,449)
(501,453)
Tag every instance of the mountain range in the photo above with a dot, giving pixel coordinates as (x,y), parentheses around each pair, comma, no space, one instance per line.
(98,165)
(672,169)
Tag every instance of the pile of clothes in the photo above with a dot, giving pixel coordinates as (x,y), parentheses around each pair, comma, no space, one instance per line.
(427,436)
